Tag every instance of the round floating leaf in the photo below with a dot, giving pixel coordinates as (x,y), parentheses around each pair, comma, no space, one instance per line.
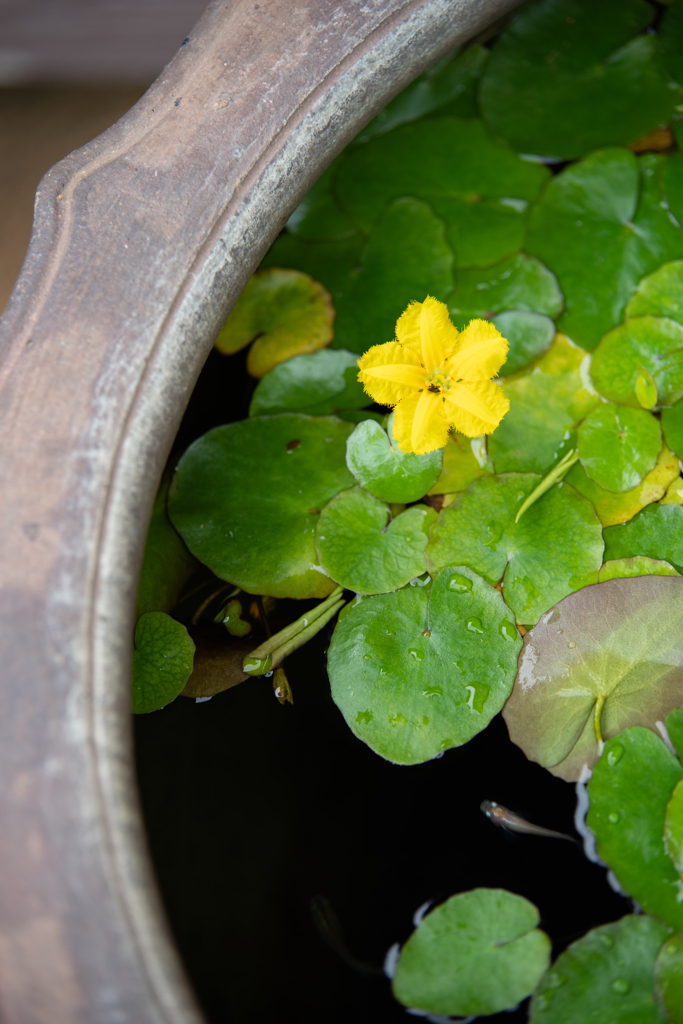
(657,532)
(247,496)
(607,976)
(460,464)
(478,953)
(656,343)
(519,282)
(561,84)
(528,335)
(620,568)
(600,230)
(363,549)
(613,508)
(322,383)
(674,494)
(383,469)
(167,564)
(646,389)
(333,263)
(446,88)
(669,978)
(425,668)
(607,657)
(673,828)
(367,311)
(162,661)
(618,446)
(478,187)
(672,425)
(555,548)
(544,410)
(629,791)
(660,294)
(284,312)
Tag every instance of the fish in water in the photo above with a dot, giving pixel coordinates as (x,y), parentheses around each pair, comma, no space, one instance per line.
(512,822)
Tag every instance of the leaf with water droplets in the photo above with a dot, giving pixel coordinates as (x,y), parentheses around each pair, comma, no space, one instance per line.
(669,979)
(607,976)
(162,661)
(607,657)
(480,952)
(659,294)
(384,470)
(529,335)
(556,546)
(361,547)
(629,792)
(519,282)
(425,668)
(652,343)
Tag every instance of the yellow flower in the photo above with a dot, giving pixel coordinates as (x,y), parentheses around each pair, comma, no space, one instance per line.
(437,377)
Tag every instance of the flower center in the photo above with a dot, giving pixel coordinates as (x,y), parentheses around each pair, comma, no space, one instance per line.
(438,382)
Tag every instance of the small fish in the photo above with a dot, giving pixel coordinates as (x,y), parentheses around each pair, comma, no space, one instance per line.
(513,823)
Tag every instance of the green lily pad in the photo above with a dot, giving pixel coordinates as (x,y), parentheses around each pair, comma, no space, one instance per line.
(669,979)
(167,564)
(529,335)
(600,238)
(460,464)
(368,310)
(555,548)
(334,263)
(630,788)
(674,494)
(247,497)
(480,952)
(478,187)
(363,549)
(518,282)
(660,294)
(564,79)
(618,446)
(446,88)
(672,425)
(544,410)
(674,727)
(653,342)
(607,657)
(607,976)
(426,668)
(318,384)
(673,828)
(657,532)
(384,470)
(670,42)
(621,568)
(319,217)
(672,183)
(162,661)
(613,508)
(284,312)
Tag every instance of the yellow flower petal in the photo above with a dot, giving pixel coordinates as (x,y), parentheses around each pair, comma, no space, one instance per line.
(408,327)
(386,392)
(476,408)
(481,352)
(426,329)
(400,373)
(434,424)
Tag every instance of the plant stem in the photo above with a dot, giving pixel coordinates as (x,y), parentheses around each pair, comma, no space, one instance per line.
(273,642)
(556,474)
(597,720)
(256,664)
(262,616)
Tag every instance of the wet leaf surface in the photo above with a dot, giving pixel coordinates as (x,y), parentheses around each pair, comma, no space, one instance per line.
(368,310)
(480,952)
(425,668)
(518,282)
(613,508)
(630,789)
(621,568)
(561,84)
(460,465)
(284,312)
(606,976)
(673,828)
(162,661)
(660,294)
(592,232)
(478,187)
(529,335)
(669,978)
(167,564)
(555,548)
(247,496)
(655,343)
(364,550)
(672,425)
(657,532)
(618,446)
(610,655)
(319,384)
(384,470)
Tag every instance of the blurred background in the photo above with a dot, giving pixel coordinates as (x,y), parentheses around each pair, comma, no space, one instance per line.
(68,70)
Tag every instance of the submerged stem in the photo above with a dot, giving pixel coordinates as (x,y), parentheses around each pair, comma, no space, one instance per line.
(597,720)
(556,474)
(273,642)
(273,651)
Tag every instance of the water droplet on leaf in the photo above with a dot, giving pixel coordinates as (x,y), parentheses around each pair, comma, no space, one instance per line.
(416,655)
(507,630)
(621,986)
(460,584)
(474,625)
(613,817)
(615,755)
